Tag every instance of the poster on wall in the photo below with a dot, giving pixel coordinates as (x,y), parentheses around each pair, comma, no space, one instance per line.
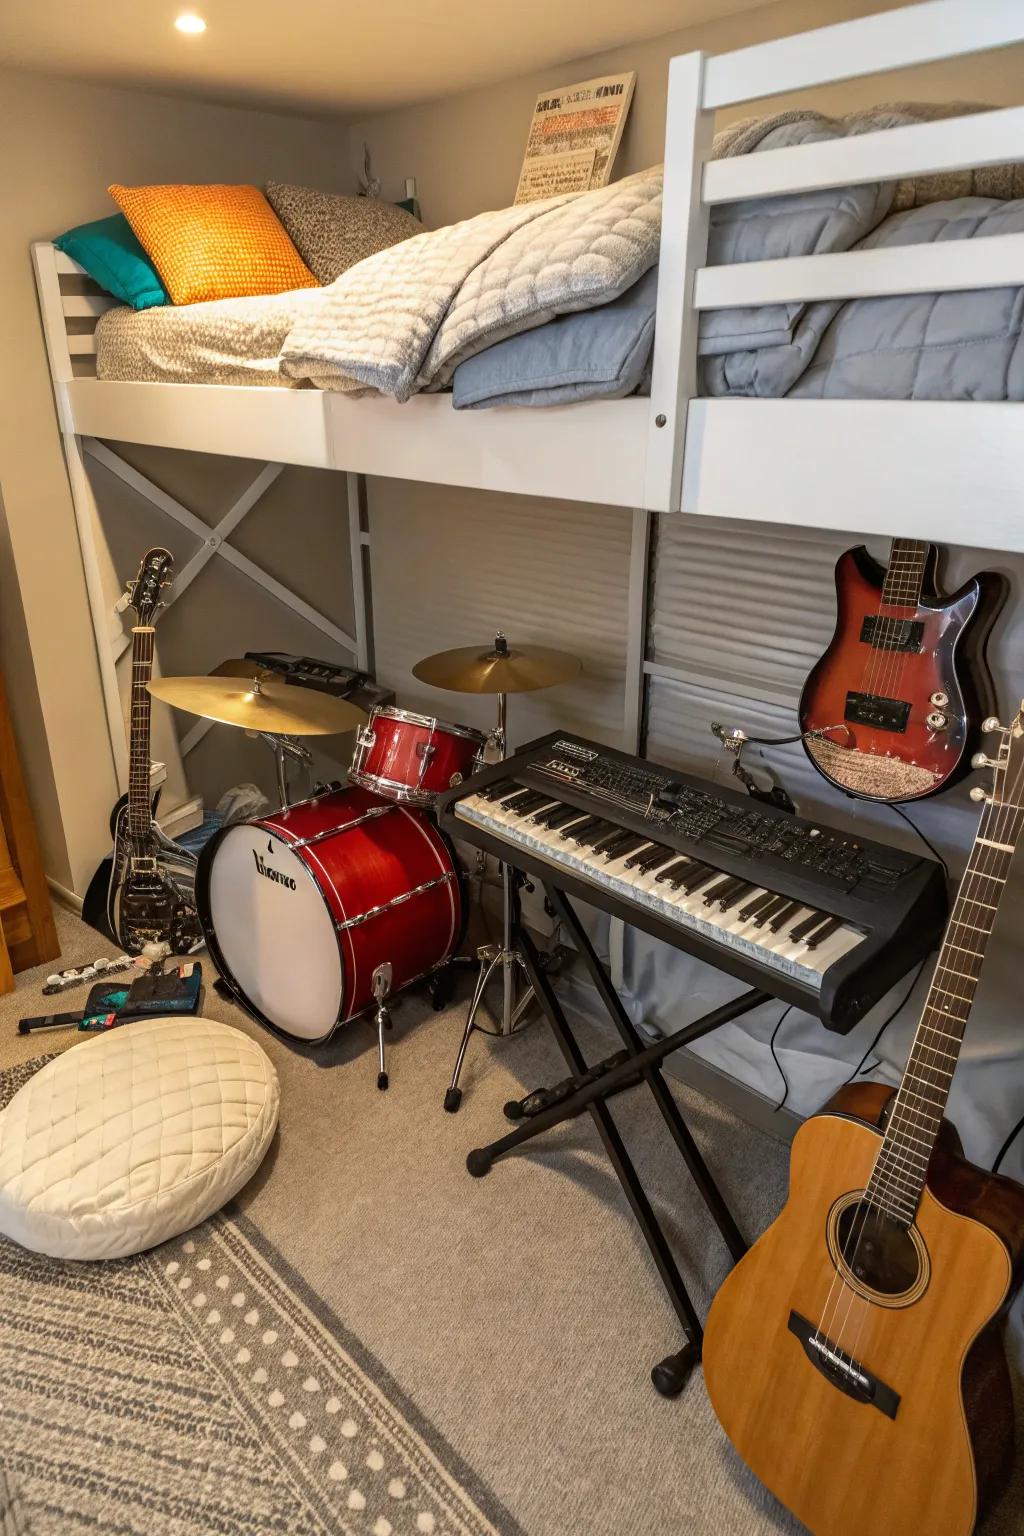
(574,136)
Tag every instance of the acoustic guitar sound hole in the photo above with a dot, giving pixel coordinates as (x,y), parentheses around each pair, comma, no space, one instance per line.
(881,1256)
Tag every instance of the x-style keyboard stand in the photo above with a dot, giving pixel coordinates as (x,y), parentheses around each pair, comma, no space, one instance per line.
(590,1088)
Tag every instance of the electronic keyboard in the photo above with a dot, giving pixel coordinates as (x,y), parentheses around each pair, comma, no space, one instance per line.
(800,910)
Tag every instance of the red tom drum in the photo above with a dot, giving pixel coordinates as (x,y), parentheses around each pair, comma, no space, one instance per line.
(413,758)
(301,908)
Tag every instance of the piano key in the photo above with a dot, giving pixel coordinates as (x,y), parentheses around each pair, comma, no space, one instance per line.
(617,847)
(673,873)
(518,798)
(594,827)
(799,934)
(558,817)
(695,877)
(784,915)
(742,891)
(715,892)
(650,858)
(774,906)
(819,935)
(754,906)
(498,790)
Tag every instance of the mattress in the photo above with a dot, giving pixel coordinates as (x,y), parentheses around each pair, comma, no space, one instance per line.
(227,341)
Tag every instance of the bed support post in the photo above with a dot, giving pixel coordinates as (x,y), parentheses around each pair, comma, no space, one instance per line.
(359,551)
(684,244)
(105,625)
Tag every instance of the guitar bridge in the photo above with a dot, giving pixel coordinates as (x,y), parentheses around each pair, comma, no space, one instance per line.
(842,1370)
(144,866)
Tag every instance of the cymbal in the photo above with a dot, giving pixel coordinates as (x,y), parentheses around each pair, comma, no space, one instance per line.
(498,668)
(260,701)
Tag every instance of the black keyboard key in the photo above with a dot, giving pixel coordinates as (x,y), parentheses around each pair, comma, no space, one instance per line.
(766,913)
(723,887)
(783,915)
(674,873)
(622,843)
(744,889)
(807,926)
(698,875)
(599,829)
(650,858)
(516,798)
(752,908)
(558,817)
(825,932)
(498,790)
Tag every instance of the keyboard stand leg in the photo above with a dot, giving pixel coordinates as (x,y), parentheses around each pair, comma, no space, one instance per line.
(670,1375)
(667,1105)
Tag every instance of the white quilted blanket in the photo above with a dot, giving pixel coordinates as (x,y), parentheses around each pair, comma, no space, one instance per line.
(401,321)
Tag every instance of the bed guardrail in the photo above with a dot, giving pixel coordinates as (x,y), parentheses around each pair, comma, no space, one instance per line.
(698,86)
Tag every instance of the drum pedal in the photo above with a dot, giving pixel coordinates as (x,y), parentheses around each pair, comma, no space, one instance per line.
(382,1018)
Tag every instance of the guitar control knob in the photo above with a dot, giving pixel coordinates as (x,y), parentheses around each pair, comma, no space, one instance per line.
(936,721)
(991,724)
(977,793)
(940,699)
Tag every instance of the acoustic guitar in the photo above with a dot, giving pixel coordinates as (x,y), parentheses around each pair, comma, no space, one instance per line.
(892,710)
(854,1356)
(143,890)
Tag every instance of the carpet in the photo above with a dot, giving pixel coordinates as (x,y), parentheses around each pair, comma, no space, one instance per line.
(201,1388)
(511,1322)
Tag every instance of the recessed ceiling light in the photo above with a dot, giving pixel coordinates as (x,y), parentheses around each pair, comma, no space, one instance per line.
(189,22)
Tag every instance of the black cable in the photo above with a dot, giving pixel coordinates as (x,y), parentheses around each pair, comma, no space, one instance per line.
(927,841)
(883,1027)
(778,1063)
(1008,1143)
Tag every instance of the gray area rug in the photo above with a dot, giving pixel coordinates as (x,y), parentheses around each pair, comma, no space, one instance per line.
(202,1390)
(519,1313)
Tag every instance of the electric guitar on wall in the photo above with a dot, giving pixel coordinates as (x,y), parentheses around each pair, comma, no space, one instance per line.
(142,892)
(891,711)
(854,1355)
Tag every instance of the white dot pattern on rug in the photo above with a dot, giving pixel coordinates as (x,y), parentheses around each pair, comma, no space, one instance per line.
(321,1422)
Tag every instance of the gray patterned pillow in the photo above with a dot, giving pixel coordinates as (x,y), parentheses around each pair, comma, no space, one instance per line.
(332,232)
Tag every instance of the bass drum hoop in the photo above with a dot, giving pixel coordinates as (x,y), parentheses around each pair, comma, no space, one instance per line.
(210,934)
(202,887)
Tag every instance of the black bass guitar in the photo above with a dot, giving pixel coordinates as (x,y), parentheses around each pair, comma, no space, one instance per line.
(143,891)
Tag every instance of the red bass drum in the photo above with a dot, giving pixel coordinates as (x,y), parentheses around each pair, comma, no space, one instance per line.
(302,908)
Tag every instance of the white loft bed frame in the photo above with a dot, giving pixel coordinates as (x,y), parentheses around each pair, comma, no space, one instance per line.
(941,471)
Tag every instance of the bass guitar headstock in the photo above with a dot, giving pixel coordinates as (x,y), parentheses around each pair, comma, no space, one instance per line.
(154,573)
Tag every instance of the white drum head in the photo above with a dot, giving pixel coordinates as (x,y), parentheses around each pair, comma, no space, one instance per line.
(275,933)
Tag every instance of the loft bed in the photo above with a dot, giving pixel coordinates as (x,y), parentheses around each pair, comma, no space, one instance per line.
(919,462)
(917,465)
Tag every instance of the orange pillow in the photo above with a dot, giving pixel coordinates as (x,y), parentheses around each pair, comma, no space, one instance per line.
(213,242)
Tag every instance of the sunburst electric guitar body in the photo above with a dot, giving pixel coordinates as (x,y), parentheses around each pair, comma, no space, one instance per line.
(854,1356)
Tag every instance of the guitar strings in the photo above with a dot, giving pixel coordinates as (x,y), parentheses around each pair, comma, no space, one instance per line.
(896,579)
(902,1115)
(996,819)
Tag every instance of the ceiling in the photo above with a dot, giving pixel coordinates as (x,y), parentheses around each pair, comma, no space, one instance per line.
(332,57)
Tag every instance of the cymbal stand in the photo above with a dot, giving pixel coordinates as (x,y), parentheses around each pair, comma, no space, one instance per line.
(494,958)
(285,749)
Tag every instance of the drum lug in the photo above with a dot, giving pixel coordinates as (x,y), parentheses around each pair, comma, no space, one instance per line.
(381,982)
(425,750)
(365,737)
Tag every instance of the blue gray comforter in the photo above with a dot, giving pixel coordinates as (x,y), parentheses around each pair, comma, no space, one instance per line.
(953,346)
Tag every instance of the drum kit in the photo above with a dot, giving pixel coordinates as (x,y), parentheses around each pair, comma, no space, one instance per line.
(326,908)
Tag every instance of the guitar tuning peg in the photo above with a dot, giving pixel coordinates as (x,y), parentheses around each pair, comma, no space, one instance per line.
(977,793)
(991,724)
(979,760)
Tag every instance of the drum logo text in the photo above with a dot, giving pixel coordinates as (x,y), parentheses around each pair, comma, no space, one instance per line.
(272,874)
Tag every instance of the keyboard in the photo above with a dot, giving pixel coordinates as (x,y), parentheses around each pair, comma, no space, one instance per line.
(818,918)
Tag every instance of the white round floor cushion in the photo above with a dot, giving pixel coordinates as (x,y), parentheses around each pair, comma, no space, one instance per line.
(134,1136)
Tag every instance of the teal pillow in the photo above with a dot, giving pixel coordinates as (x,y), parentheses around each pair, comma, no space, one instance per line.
(110,253)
